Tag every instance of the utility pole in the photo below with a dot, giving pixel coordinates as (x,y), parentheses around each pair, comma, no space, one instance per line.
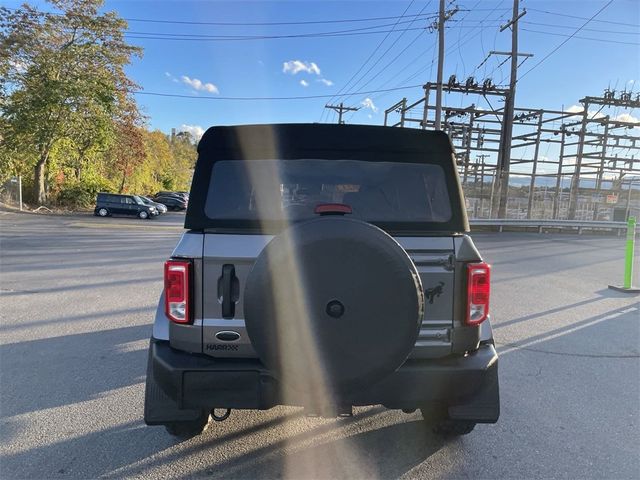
(442,17)
(504,152)
(341,109)
(440,65)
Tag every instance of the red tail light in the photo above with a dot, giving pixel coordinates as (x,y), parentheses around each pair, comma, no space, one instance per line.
(177,290)
(478,287)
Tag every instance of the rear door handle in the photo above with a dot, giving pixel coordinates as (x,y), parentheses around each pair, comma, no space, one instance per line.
(228,290)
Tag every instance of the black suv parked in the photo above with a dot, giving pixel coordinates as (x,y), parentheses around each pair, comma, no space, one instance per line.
(182,195)
(115,204)
(173,202)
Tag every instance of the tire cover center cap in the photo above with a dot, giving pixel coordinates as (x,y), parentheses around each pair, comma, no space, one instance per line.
(335,309)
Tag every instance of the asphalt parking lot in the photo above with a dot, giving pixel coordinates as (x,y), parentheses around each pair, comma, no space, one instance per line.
(77,300)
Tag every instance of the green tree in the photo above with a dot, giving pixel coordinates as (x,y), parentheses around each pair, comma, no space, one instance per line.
(62,75)
(184,153)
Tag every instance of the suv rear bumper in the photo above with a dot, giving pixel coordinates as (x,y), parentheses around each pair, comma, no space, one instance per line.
(468,384)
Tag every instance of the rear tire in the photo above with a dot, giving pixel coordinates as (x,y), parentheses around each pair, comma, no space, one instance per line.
(190,429)
(103,212)
(453,428)
(441,424)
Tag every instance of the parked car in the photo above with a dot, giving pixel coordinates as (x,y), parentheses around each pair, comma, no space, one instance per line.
(108,204)
(172,202)
(161,207)
(183,195)
(364,289)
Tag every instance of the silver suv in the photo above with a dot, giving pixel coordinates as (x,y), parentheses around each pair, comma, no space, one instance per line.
(324,266)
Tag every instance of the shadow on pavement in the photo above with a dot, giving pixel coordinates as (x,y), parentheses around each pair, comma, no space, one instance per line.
(63,370)
(386,452)
(604,293)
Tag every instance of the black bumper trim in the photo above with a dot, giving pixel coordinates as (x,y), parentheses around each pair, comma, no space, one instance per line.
(467,384)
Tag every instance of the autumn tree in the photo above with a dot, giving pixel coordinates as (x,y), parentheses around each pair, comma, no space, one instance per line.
(63,80)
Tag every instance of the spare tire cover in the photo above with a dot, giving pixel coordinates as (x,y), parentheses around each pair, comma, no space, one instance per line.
(333,303)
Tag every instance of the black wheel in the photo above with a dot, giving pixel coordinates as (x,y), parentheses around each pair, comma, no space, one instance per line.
(143,215)
(103,212)
(190,429)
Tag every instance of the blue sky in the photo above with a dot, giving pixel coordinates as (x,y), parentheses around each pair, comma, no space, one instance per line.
(322,66)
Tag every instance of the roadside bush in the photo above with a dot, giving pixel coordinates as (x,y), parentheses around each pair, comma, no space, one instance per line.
(82,194)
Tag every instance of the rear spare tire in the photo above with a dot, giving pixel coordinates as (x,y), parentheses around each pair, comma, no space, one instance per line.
(334,304)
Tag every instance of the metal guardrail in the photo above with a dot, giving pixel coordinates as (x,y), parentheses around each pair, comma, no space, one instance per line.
(579,225)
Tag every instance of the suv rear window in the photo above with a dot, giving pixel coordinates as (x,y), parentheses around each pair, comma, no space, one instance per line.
(289,190)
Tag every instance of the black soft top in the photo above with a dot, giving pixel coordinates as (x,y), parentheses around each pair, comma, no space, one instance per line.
(323,141)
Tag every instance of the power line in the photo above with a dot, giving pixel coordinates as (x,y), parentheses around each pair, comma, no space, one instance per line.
(222,38)
(346,85)
(203,35)
(248,24)
(393,60)
(566,40)
(603,40)
(362,77)
(449,50)
(341,109)
(457,44)
(301,97)
(582,18)
(555,25)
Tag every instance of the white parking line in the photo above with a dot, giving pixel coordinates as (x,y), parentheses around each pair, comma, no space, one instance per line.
(571,330)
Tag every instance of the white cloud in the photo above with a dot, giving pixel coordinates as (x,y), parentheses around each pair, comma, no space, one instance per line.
(580,109)
(368,103)
(574,109)
(197,84)
(171,77)
(625,117)
(326,81)
(304,83)
(196,131)
(296,66)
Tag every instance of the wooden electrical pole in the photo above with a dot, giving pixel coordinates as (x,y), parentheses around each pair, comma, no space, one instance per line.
(440,65)
(341,109)
(504,152)
(443,16)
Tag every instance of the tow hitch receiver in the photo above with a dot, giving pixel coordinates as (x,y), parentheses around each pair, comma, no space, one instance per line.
(220,418)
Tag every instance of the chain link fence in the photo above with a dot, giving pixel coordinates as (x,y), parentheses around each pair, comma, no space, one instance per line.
(546,205)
